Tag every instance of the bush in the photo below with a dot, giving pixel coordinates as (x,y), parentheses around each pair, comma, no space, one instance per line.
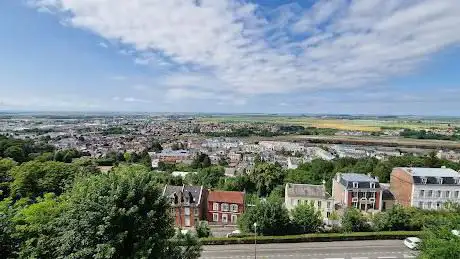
(354,221)
(203,230)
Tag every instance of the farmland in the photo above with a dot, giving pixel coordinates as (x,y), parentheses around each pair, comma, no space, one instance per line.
(349,124)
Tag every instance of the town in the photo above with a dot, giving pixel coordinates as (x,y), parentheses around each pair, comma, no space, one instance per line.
(230,180)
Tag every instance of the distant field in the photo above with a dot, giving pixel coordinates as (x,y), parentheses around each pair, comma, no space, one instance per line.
(341,124)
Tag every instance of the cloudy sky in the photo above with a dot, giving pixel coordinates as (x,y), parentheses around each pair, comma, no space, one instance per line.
(304,56)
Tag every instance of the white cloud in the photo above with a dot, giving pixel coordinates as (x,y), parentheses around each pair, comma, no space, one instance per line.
(135,100)
(233,49)
(103,45)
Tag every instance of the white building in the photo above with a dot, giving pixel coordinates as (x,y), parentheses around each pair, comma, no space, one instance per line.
(425,188)
(296,194)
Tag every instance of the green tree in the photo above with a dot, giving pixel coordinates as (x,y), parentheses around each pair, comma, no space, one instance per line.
(201,161)
(155,146)
(16,153)
(271,216)
(354,221)
(266,177)
(306,218)
(35,178)
(397,218)
(119,215)
(6,164)
(203,230)
(439,242)
(208,177)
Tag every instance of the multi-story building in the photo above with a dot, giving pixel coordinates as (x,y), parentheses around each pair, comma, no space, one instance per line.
(225,207)
(296,194)
(425,188)
(357,190)
(187,204)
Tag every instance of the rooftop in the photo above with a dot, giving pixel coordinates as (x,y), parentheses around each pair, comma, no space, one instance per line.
(434,172)
(306,190)
(354,177)
(226,196)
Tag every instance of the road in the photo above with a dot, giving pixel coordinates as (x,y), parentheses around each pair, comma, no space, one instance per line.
(376,249)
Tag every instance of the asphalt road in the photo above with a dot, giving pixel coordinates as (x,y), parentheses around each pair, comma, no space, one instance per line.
(376,249)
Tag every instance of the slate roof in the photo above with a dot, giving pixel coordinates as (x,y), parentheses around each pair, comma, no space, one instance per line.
(432,175)
(226,196)
(195,191)
(364,181)
(306,190)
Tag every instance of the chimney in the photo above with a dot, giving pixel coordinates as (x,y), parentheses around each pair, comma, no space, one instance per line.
(376,178)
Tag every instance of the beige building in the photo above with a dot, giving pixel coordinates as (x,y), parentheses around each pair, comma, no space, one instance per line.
(296,194)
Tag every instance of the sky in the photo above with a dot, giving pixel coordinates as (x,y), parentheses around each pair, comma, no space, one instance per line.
(233,56)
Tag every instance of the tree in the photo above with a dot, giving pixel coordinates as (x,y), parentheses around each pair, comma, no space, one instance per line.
(201,161)
(9,243)
(271,216)
(266,177)
(354,221)
(156,146)
(16,153)
(306,217)
(203,230)
(398,218)
(439,242)
(208,177)
(35,178)
(6,164)
(119,215)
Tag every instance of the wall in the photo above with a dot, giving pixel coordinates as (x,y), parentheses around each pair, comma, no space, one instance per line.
(401,186)
(210,212)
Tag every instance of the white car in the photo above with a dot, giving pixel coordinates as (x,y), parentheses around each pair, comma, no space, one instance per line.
(412,242)
(234,233)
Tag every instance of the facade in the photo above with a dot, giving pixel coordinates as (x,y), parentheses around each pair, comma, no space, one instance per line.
(388,199)
(172,156)
(357,190)
(425,188)
(296,194)
(187,204)
(224,207)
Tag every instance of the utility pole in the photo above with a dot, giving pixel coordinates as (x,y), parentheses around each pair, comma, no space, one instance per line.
(255,240)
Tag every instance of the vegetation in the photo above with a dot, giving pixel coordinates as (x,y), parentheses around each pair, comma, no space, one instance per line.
(203,230)
(423,134)
(306,218)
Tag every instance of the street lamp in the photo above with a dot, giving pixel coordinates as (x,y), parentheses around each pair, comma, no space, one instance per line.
(255,240)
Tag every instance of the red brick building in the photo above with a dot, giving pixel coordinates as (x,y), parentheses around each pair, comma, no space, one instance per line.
(188,204)
(357,190)
(225,207)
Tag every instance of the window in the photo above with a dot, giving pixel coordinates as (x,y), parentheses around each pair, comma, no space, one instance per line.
(355,204)
(187,211)
(298,202)
(456,194)
(328,204)
(420,204)
(319,204)
(430,204)
(355,185)
(438,205)
(215,206)
(234,218)
(430,194)
(422,193)
(234,207)
(423,180)
(196,211)
(372,194)
(354,194)
(457,180)
(224,218)
(447,194)
(187,221)
(224,207)
(440,180)
(328,214)
(372,185)
(215,217)
(438,194)
(173,210)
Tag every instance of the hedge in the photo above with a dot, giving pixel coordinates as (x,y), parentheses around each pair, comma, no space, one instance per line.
(317,237)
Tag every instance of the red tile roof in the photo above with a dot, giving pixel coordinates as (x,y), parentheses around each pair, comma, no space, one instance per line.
(224,196)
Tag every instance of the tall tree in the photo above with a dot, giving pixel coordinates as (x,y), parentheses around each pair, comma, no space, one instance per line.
(271,216)
(266,177)
(306,218)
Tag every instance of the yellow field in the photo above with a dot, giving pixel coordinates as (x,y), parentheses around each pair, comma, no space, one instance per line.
(340,124)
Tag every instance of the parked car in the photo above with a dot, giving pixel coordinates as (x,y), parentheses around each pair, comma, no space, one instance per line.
(412,242)
(456,232)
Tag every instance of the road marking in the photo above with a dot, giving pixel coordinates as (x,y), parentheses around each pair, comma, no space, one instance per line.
(387,257)
(408,256)
(360,258)
(335,258)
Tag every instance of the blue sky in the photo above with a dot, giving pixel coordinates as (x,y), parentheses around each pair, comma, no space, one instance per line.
(326,56)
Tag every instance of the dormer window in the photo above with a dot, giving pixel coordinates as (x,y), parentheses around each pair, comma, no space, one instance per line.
(457,180)
(372,185)
(440,180)
(423,180)
(355,185)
